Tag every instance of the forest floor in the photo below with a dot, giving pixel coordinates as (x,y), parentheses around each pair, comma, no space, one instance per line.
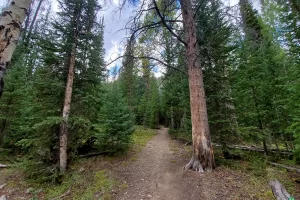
(153,169)
(158,174)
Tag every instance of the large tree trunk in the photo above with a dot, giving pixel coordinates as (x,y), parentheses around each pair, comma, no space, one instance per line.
(63,136)
(11,20)
(203,157)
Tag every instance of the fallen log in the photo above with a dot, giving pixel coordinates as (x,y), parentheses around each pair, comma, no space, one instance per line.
(279,191)
(3,166)
(284,166)
(89,155)
(255,149)
(2,186)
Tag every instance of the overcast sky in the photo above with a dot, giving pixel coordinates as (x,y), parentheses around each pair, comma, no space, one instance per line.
(116,20)
(114,39)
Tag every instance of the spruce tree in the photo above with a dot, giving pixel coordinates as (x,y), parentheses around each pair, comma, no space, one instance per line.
(259,81)
(45,81)
(214,33)
(128,75)
(117,122)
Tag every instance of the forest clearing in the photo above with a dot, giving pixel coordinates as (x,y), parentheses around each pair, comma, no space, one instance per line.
(192,99)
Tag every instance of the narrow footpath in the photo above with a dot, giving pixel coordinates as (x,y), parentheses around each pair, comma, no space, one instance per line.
(158,174)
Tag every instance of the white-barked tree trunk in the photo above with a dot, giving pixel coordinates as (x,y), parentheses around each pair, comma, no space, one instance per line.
(11,20)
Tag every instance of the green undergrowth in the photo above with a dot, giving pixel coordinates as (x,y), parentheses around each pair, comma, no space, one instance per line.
(91,178)
(84,185)
(181,135)
(141,136)
(258,173)
(87,178)
(254,168)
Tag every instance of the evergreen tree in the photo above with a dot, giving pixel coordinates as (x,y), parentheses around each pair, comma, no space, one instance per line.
(128,75)
(259,80)
(44,91)
(117,122)
(214,33)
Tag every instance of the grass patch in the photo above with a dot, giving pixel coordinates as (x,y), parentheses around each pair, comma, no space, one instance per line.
(140,137)
(85,186)
(87,178)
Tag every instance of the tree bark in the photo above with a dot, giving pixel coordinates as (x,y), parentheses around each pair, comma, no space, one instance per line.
(63,136)
(203,157)
(11,20)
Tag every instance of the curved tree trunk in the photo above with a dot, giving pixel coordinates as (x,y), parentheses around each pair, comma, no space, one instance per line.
(11,20)
(203,157)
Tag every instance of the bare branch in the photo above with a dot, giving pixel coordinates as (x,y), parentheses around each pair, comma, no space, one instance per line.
(166,25)
(147,57)
(197,9)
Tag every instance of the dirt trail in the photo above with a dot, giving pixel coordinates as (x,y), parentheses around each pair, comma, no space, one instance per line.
(157,173)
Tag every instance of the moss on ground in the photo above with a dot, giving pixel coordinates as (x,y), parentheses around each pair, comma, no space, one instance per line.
(140,137)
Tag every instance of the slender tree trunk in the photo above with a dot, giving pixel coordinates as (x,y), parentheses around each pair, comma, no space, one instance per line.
(63,136)
(33,20)
(2,129)
(172,117)
(26,23)
(259,121)
(277,147)
(265,147)
(4,121)
(11,20)
(203,156)
(286,145)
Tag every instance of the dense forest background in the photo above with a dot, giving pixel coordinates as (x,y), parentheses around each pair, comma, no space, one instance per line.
(251,69)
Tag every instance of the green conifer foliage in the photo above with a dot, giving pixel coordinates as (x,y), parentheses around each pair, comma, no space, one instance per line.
(214,33)
(117,123)
(34,127)
(260,77)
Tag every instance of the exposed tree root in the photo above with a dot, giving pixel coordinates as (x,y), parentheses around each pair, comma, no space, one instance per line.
(195,164)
